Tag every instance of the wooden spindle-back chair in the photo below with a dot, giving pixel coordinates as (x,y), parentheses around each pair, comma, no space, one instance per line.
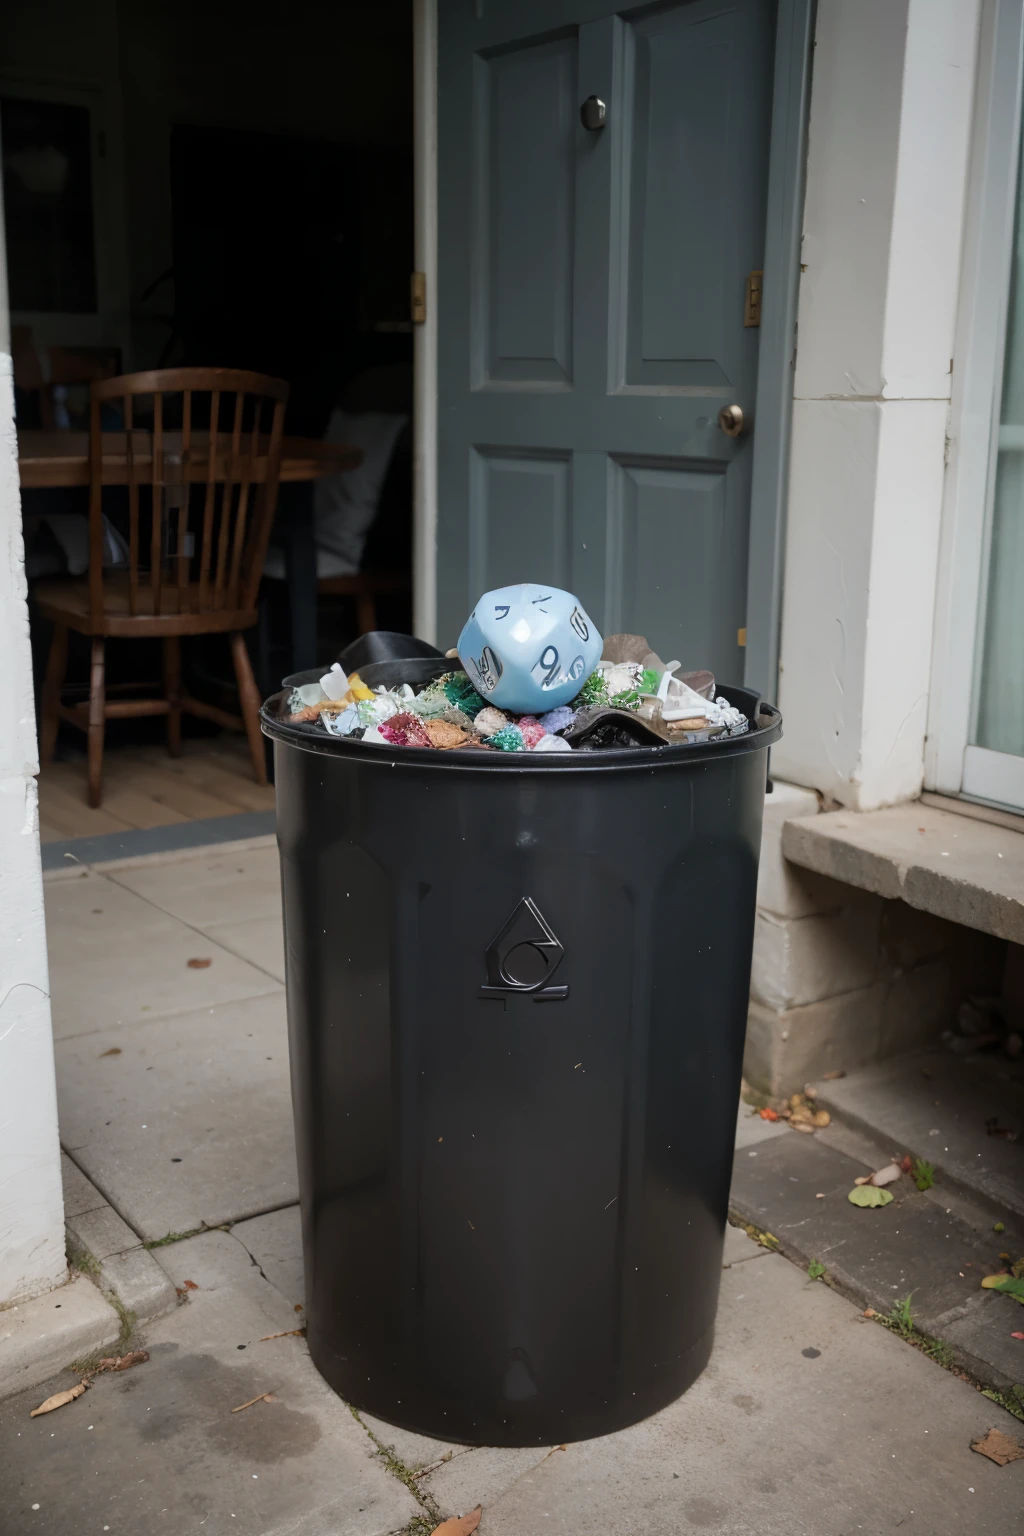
(202,458)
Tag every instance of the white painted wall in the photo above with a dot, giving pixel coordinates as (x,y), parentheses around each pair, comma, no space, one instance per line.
(889,137)
(32,1256)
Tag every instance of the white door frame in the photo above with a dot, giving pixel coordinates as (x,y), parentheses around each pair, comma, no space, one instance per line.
(952,765)
(424,416)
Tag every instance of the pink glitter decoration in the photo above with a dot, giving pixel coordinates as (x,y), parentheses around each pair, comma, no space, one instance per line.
(405,731)
(532,731)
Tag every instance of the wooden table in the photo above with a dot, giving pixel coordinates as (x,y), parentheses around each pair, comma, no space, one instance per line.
(49,460)
(55,459)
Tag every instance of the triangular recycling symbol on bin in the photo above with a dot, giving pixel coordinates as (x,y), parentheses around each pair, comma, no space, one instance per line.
(523,956)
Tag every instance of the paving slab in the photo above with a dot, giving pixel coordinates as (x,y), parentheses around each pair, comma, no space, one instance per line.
(751,1130)
(480,1476)
(42,1336)
(222,885)
(274,1241)
(807,1422)
(970,872)
(260,940)
(739,1248)
(110,1252)
(158,1450)
(191,1122)
(797,1189)
(116,959)
(80,1194)
(936,1105)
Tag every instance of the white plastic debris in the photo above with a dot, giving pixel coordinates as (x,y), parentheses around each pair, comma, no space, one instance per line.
(552,744)
(334,683)
(679,701)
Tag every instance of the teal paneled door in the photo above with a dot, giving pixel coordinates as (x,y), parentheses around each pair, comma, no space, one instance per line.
(593,306)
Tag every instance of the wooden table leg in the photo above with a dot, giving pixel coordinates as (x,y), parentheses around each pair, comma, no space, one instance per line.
(97,720)
(172,692)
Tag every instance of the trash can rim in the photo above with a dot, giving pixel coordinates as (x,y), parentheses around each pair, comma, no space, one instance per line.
(469,759)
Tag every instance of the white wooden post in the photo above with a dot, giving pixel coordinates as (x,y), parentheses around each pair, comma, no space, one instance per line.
(32,1257)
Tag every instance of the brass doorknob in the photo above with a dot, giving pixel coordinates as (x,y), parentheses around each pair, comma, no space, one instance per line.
(730,419)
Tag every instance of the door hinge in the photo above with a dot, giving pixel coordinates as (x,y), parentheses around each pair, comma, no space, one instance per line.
(418,298)
(752,302)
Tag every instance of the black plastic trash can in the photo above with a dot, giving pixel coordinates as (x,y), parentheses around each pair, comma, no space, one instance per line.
(517,996)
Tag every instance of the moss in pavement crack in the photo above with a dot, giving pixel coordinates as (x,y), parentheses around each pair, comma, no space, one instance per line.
(766,1239)
(419,1525)
(179,1237)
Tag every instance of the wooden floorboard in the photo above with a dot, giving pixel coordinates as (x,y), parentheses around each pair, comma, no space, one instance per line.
(144,787)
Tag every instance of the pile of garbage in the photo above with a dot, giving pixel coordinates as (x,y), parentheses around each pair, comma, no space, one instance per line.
(530,674)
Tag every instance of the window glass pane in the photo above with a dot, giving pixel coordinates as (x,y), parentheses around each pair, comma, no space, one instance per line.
(1000,694)
(51,260)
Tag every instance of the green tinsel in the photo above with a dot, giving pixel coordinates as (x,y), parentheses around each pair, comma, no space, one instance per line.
(460,692)
(629,698)
(594,691)
(649,680)
(508,739)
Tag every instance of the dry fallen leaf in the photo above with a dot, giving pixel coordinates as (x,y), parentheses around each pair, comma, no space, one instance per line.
(830,1077)
(289,1333)
(117,1363)
(196,964)
(58,1400)
(124,1362)
(115,1050)
(264,1397)
(190,1285)
(822,1118)
(464,1526)
(996,1446)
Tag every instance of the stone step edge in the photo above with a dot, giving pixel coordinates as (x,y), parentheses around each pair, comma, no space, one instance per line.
(105,1248)
(981,1373)
(945,1174)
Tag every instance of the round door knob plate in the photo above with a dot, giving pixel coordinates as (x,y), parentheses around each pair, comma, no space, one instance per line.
(731,420)
(593,113)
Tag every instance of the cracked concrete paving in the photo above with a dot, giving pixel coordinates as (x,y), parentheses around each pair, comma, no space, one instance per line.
(809,1419)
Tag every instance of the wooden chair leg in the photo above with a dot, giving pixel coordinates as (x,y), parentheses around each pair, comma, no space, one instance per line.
(172,692)
(249,698)
(366,613)
(56,666)
(97,720)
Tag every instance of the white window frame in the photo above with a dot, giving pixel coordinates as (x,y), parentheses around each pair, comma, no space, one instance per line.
(952,765)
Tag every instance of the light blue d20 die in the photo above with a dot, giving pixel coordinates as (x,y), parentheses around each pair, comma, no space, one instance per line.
(529,648)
